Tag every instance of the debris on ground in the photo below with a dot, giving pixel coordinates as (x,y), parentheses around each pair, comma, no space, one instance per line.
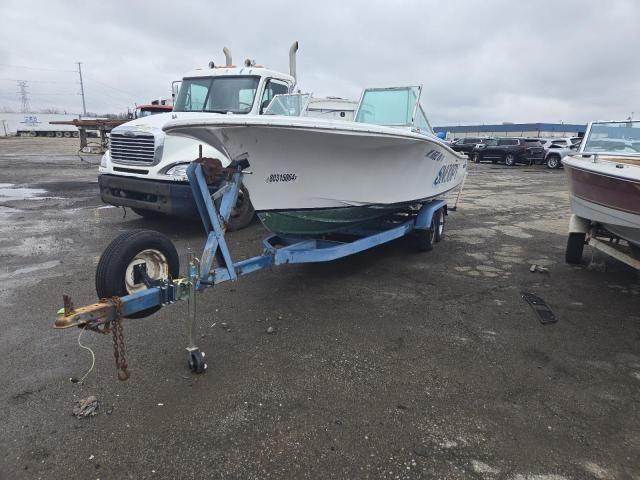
(271,330)
(86,407)
(544,312)
(538,268)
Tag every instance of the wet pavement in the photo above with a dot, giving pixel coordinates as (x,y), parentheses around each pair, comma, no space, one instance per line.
(388,364)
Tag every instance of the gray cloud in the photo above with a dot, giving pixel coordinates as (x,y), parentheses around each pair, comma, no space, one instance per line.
(490,61)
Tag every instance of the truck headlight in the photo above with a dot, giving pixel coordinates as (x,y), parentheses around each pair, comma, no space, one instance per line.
(178,171)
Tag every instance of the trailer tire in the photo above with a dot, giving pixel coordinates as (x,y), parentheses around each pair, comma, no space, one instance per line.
(439,220)
(242,213)
(426,237)
(575,248)
(114,274)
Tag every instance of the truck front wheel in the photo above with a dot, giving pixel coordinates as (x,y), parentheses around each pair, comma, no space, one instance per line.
(150,214)
(243,213)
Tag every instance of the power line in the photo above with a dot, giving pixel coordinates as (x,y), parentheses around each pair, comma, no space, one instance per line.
(109,86)
(36,81)
(37,68)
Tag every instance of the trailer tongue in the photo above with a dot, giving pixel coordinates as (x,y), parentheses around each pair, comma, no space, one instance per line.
(138,272)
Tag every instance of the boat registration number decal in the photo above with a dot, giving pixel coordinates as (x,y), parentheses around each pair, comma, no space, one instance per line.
(435,155)
(281,178)
(446,174)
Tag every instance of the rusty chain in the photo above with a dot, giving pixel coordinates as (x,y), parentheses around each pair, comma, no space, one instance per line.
(118,340)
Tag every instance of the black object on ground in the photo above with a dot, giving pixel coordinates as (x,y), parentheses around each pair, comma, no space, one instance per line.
(545,314)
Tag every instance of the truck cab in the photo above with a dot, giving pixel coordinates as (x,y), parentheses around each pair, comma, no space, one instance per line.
(146,170)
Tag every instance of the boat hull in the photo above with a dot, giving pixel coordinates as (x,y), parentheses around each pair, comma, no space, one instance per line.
(320,221)
(600,194)
(322,175)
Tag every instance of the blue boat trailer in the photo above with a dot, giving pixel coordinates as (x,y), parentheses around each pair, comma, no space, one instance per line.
(215,264)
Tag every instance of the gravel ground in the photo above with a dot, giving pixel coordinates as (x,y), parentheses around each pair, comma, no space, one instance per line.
(388,364)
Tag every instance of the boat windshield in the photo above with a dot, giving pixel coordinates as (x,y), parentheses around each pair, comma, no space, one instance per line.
(390,106)
(291,105)
(222,94)
(613,137)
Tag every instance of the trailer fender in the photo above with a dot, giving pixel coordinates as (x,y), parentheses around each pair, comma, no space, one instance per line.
(425,215)
(578,224)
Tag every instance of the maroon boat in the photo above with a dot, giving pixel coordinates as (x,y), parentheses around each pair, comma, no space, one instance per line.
(604,184)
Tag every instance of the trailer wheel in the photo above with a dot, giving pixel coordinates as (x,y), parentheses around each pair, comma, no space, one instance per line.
(425,238)
(575,247)
(242,213)
(439,219)
(115,275)
(58,134)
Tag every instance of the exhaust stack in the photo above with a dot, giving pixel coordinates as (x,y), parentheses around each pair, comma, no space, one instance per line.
(292,60)
(227,56)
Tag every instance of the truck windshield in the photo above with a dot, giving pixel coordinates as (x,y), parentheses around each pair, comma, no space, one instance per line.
(217,94)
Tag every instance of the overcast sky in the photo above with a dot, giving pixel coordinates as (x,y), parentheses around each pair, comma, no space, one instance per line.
(479,61)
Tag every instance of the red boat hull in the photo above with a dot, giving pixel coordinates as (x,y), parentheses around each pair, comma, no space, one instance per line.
(617,193)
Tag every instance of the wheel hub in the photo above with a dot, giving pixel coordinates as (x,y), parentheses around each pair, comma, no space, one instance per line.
(155,264)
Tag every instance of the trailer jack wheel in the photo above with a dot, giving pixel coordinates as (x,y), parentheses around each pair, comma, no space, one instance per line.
(196,362)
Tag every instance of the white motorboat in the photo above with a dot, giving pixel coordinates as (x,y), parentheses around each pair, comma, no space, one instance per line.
(313,175)
(604,178)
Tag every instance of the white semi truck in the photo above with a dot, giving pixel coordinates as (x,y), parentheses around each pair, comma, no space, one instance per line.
(146,170)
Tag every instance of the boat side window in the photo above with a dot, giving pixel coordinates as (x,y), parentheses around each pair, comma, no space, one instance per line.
(291,105)
(421,122)
(271,89)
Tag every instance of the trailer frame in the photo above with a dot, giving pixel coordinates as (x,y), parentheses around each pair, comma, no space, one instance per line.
(427,222)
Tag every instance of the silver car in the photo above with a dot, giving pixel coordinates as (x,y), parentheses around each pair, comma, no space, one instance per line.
(558,149)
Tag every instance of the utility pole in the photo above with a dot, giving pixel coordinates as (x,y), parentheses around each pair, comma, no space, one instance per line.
(84,105)
(24,96)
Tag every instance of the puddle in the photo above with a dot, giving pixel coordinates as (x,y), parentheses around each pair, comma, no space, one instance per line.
(30,269)
(10,191)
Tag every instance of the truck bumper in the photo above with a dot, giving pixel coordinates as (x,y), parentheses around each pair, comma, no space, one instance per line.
(171,198)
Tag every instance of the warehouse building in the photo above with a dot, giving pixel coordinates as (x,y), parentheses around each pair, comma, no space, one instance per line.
(538,130)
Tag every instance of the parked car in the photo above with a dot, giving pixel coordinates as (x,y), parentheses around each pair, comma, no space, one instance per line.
(556,152)
(466,145)
(510,150)
(561,141)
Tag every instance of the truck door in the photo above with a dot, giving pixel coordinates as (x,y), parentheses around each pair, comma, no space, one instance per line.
(271,89)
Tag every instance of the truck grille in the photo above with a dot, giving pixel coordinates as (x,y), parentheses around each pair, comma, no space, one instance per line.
(132,149)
